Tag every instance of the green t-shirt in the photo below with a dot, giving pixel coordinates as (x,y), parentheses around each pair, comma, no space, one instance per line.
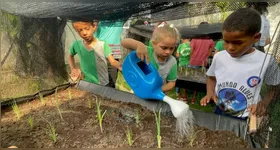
(93,61)
(184,50)
(150,44)
(167,69)
(220,45)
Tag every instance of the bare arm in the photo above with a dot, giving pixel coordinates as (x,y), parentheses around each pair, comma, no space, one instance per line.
(71,62)
(141,49)
(168,86)
(131,44)
(210,85)
(210,51)
(75,73)
(260,109)
(114,63)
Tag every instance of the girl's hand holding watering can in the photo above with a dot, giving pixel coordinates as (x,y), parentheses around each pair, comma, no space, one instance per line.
(142,52)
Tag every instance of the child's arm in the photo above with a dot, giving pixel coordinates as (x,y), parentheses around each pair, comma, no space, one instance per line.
(260,108)
(168,86)
(210,85)
(177,54)
(114,63)
(272,81)
(75,73)
(141,49)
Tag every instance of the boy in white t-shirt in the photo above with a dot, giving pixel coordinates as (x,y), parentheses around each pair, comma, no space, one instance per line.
(236,75)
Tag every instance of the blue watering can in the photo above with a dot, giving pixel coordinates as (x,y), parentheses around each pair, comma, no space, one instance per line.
(146,83)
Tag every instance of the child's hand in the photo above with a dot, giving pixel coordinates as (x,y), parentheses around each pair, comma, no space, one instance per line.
(142,52)
(252,109)
(259,109)
(75,74)
(206,99)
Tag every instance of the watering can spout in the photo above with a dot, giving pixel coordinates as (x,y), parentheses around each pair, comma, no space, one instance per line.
(178,108)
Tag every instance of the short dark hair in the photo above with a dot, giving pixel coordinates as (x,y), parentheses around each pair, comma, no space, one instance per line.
(261,7)
(245,20)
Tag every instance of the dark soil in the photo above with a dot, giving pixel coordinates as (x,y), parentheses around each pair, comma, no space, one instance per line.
(80,127)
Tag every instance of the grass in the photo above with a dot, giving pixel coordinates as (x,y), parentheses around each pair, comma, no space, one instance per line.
(89,103)
(30,121)
(137,118)
(69,94)
(42,99)
(52,132)
(16,110)
(57,104)
(158,128)
(193,137)
(128,133)
(99,116)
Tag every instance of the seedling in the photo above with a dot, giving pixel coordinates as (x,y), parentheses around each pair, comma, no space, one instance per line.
(137,118)
(52,131)
(57,104)
(193,137)
(158,127)
(69,94)
(16,110)
(41,98)
(99,116)
(129,136)
(89,103)
(30,121)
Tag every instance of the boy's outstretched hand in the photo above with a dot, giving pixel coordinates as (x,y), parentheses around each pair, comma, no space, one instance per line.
(75,74)
(206,99)
(142,52)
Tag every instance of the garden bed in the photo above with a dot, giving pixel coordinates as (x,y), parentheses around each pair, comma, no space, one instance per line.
(80,128)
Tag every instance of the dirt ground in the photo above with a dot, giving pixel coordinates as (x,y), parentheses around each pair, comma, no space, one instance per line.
(80,128)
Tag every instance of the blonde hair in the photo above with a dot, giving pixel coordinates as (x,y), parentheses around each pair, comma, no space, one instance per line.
(166,30)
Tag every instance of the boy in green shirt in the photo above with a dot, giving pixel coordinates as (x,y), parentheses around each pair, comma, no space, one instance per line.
(183,53)
(93,54)
(219,46)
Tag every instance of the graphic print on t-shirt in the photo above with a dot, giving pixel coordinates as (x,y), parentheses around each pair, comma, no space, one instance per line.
(185,51)
(231,101)
(253,81)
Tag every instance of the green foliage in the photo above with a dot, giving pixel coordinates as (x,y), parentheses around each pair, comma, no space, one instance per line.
(30,121)
(10,23)
(158,127)
(99,116)
(16,110)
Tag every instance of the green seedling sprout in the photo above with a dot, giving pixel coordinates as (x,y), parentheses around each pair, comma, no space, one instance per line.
(137,118)
(16,110)
(52,131)
(89,103)
(41,98)
(128,133)
(158,127)
(69,93)
(193,137)
(30,121)
(57,104)
(99,116)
